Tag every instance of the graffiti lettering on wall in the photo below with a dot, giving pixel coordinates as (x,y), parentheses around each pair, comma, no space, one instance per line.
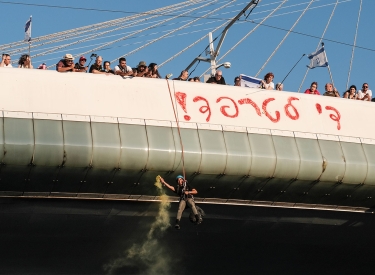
(230,108)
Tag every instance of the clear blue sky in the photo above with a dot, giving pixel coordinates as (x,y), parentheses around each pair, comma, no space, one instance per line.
(247,58)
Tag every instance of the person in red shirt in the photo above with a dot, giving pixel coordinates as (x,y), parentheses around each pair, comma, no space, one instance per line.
(313,89)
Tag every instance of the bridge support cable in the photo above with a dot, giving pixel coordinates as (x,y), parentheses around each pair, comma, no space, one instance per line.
(97,25)
(354,43)
(142,30)
(320,41)
(88,37)
(96,36)
(191,45)
(188,47)
(247,35)
(139,31)
(175,30)
(285,37)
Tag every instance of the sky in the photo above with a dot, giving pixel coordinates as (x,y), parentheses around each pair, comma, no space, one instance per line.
(270,40)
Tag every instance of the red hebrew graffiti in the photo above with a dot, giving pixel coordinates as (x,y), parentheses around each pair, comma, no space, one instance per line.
(336,117)
(222,108)
(264,107)
(232,110)
(318,108)
(204,109)
(252,103)
(181,99)
(289,105)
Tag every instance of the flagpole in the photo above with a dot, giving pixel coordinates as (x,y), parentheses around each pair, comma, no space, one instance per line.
(329,69)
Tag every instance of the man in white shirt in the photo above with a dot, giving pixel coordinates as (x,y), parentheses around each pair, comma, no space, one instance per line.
(5,61)
(123,69)
(365,94)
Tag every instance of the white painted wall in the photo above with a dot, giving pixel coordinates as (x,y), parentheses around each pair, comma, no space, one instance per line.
(100,95)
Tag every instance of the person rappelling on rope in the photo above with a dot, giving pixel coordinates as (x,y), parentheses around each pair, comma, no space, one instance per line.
(186,192)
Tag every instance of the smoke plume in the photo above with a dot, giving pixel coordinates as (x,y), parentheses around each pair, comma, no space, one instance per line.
(148,257)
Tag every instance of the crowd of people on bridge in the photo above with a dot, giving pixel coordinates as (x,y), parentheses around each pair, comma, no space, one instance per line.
(66,64)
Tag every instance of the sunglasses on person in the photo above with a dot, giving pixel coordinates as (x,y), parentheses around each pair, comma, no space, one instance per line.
(365,86)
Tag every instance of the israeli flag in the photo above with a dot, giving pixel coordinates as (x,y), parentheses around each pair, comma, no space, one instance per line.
(28,30)
(250,81)
(318,59)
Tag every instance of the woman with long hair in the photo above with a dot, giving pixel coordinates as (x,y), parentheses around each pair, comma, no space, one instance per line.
(153,71)
(351,93)
(25,62)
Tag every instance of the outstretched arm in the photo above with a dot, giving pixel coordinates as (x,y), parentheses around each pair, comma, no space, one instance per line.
(166,184)
(192,192)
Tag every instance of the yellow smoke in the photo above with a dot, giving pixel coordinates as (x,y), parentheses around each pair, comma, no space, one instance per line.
(149,256)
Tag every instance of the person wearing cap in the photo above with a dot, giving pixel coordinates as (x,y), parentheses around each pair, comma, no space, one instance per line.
(141,70)
(185,192)
(66,64)
(122,69)
(80,65)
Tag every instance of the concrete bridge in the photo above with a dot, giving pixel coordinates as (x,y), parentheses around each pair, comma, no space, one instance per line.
(93,136)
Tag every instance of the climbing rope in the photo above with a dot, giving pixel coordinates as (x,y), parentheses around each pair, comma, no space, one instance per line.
(178,128)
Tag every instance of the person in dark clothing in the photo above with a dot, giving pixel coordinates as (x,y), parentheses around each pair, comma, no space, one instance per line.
(183,76)
(185,192)
(217,79)
(80,65)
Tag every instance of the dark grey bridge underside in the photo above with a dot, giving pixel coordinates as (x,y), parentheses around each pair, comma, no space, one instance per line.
(39,181)
(51,236)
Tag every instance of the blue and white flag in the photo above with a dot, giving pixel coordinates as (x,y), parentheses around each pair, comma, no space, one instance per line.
(250,81)
(28,30)
(318,59)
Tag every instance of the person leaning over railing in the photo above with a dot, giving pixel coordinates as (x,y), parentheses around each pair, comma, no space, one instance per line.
(122,69)
(153,71)
(66,64)
(5,61)
(141,70)
(97,67)
(237,81)
(107,67)
(183,76)
(313,90)
(351,93)
(331,91)
(279,86)
(25,62)
(365,94)
(80,65)
(267,82)
(218,78)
